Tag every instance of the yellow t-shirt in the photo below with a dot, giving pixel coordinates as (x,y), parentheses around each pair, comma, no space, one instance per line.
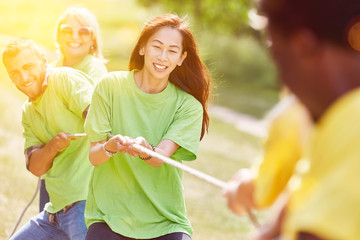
(327,202)
(282,150)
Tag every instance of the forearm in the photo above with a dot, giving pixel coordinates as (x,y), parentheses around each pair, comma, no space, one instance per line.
(41,160)
(165,148)
(97,154)
(240,192)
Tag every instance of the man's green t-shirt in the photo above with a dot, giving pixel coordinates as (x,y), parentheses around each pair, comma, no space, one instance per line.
(91,65)
(60,109)
(132,197)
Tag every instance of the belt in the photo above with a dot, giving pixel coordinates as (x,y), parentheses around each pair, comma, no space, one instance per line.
(52,216)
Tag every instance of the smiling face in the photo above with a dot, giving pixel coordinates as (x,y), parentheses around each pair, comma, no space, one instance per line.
(27,71)
(162,53)
(75,40)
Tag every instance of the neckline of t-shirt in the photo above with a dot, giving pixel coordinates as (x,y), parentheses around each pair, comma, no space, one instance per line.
(166,92)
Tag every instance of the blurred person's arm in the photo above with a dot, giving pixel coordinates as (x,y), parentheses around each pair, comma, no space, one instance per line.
(272,229)
(240,192)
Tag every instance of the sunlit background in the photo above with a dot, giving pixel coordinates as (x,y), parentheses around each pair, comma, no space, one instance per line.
(234,52)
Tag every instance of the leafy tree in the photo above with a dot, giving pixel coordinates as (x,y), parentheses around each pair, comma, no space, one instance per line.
(222,16)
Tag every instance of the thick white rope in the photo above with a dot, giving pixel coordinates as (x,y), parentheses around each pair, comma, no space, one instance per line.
(183,167)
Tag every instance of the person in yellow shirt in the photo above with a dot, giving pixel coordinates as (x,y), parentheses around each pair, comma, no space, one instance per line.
(283,148)
(315,47)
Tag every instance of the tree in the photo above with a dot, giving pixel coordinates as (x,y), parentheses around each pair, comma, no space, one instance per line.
(221,16)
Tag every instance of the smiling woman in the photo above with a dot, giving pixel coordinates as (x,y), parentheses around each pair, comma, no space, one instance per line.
(79,43)
(79,46)
(162,53)
(145,198)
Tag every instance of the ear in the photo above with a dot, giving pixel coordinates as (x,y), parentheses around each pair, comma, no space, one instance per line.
(142,51)
(43,60)
(182,58)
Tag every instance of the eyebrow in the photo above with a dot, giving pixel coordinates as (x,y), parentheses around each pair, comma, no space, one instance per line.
(156,40)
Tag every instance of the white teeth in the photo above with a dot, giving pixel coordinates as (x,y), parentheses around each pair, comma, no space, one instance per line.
(74,45)
(159,66)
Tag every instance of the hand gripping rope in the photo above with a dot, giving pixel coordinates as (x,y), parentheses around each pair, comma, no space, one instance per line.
(194,172)
(77,135)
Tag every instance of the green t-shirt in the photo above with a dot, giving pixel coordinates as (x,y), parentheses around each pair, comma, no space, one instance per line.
(132,197)
(91,65)
(60,109)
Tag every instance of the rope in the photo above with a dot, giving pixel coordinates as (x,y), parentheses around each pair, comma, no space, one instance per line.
(23,212)
(194,172)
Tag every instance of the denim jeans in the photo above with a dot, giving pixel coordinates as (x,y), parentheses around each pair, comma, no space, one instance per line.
(68,226)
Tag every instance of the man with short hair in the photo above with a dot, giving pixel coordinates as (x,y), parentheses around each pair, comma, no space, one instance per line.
(56,108)
(315,46)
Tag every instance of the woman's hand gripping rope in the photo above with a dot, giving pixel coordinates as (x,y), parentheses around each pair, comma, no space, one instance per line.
(214,181)
(194,172)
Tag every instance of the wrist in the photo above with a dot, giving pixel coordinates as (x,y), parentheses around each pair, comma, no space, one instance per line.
(108,153)
(51,148)
(149,156)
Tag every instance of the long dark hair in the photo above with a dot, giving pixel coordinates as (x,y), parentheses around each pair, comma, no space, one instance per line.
(192,76)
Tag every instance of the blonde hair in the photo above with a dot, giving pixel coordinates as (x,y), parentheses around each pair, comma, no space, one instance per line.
(86,18)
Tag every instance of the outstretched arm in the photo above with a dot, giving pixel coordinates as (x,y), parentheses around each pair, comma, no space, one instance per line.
(240,192)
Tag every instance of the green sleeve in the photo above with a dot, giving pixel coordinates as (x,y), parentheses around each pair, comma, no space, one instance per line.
(75,89)
(98,121)
(30,138)
(186,129)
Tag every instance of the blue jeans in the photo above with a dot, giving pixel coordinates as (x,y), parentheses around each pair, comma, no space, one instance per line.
(68,226)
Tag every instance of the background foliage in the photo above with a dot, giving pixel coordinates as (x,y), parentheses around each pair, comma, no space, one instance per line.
(234,52)
(229,17)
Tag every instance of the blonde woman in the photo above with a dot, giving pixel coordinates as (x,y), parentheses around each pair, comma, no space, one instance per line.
(78,44)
